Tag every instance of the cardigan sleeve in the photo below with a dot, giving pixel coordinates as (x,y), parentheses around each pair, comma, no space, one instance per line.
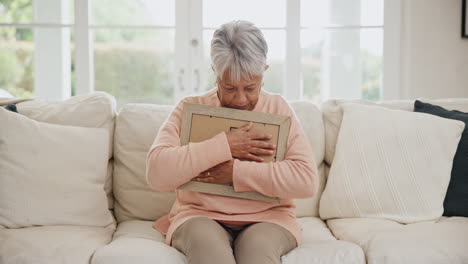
(169,165)
(294,177)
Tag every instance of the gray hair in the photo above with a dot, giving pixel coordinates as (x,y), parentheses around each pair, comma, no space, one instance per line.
(240,48)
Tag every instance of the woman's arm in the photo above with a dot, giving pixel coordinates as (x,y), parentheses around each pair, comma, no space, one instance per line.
(169,165)
(294,177)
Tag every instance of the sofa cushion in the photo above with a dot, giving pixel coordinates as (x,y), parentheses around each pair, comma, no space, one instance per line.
(310,206)
(310,118)
(97,109)
(11,107)
(52,174)
(388,242)
(136,128)
(320,246)
(137,242)
(52,244)
(333,114)
(456,200)
(390,164)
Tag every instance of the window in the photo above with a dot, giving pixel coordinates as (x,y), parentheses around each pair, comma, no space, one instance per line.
(35,51)
(342,49)
(157,51)
(134,49)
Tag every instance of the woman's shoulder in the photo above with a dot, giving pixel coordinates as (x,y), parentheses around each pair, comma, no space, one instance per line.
(275,103)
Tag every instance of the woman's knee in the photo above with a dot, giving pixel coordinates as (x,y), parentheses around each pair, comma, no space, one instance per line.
(203,240)
(264,239)
(200,232)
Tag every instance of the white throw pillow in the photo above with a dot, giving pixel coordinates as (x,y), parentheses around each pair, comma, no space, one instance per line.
(390,164)
(52,174)
(96,109)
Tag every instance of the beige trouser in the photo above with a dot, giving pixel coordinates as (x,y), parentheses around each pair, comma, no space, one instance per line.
(204,240)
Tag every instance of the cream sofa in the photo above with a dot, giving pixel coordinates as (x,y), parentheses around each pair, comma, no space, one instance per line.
(131,239)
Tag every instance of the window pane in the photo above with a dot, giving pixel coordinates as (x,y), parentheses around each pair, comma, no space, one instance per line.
(16,11)
(72,11)
(311,63)
(276,59)
(131,12)
(136,66)
(325,13)
(263,13)
(372,12)
(209,79)
(274,76)
(17,62)
(21,11)
(371,59)
(352,64)
(314,13)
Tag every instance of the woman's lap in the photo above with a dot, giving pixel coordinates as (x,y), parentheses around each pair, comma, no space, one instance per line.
(204,240)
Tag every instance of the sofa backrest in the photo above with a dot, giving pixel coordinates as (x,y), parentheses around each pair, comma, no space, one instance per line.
(333,115)
(311,121)
(136,128)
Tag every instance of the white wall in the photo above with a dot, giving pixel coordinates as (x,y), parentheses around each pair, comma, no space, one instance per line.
(434,57)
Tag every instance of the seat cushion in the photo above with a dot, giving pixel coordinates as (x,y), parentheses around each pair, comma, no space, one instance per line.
(320,246)
(136,241)
(385,241)
(52,244)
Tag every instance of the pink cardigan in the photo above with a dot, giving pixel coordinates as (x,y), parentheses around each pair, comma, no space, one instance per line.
(170,165)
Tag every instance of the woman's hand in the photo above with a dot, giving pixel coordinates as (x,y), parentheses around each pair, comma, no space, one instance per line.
(246,145)
(221,173)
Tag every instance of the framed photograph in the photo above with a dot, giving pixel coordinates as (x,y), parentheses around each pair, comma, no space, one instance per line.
(201,122)
(464,19)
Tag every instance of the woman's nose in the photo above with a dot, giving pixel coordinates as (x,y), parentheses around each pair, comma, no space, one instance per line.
(241,99)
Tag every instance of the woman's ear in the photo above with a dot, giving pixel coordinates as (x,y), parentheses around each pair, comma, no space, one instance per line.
(212,68)
(266,67)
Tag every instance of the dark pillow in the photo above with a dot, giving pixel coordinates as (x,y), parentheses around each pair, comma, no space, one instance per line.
(456,199)
(11,107)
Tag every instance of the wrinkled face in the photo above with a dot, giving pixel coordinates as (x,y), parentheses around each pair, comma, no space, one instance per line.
(239,95)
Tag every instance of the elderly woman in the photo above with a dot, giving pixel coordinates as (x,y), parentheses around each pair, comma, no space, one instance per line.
(217,229)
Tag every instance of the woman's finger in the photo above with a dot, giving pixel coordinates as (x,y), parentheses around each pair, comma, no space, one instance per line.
(204,179)
(254,158)
(261,151)
(247,127)
(260,136)
(263,144)
(204,174)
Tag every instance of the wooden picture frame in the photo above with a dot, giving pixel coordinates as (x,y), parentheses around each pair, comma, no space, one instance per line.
(201,122)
